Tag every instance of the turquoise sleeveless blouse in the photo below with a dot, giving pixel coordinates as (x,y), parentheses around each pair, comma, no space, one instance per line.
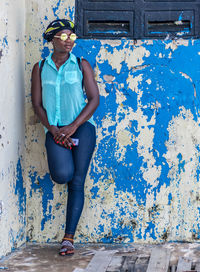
(62,92)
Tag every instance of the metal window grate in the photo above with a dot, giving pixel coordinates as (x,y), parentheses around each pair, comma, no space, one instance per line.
(141,19)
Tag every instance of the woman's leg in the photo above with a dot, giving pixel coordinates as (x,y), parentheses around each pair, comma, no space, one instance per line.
(82,155)
(61,167)
(71,165)
(60,161)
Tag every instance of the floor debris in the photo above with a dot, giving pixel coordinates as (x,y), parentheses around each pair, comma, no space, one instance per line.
(171,257)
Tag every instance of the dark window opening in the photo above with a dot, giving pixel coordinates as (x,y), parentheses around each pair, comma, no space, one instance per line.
(169,26)
(115,27)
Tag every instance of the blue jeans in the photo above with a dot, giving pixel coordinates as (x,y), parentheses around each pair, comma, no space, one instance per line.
(71,166)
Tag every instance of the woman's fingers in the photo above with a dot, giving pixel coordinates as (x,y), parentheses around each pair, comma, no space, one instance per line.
(67,143)
(71,141)
(62,139)
(59,137)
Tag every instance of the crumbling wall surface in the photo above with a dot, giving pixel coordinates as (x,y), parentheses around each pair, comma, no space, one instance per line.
(143,182)
(12,192)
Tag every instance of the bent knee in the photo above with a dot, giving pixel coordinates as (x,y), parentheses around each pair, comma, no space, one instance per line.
(61,178)
(77,184)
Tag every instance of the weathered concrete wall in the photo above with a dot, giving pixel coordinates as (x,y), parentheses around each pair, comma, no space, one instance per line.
(143,183)
(12,192)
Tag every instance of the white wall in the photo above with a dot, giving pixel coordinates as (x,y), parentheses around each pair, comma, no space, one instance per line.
(12,192)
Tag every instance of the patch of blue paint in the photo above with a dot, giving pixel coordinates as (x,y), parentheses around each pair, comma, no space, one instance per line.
(45,52)
(58,205)
(180,17)
(131,97)
(56,8)
(94,191)
(45,186)
(181,164)
(71,12)
(196,232)
(115,235)
(150,229)
(47,189)
(169,198)
(198,168)
(81,50)
(138,234)
(21,193)
(5,42)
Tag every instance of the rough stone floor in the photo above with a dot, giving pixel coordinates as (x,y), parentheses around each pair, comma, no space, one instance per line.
(115,257)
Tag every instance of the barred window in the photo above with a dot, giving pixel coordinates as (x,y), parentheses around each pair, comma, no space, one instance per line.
(137,19)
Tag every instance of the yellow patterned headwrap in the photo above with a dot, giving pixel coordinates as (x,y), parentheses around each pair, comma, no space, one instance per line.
(56,26)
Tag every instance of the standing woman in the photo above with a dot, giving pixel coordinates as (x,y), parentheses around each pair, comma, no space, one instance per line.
(58,101)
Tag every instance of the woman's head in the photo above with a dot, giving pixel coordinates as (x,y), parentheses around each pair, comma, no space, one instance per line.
(56,27)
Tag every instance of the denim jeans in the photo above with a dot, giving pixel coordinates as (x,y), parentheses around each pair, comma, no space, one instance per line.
(71,166)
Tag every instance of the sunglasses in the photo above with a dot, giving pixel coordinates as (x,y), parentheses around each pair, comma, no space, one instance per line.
(64,37)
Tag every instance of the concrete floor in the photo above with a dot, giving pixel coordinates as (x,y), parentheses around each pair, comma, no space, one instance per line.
(38,258)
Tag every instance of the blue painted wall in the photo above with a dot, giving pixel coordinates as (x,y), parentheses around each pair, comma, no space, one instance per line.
(143,182)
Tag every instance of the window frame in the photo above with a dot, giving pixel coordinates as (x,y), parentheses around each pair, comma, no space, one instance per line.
(138,12)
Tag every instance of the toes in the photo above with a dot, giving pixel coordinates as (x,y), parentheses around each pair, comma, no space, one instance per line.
(66,251)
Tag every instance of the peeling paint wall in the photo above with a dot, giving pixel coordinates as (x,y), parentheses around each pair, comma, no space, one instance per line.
(12,122)
(143,182)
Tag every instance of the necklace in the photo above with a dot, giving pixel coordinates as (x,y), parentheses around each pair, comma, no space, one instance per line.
(57,66)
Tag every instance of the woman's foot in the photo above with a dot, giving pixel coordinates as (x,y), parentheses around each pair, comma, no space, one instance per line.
(67,248)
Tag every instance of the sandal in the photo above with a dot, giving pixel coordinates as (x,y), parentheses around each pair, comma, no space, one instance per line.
(67,248)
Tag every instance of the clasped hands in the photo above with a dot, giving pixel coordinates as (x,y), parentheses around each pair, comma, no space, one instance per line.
(62,135)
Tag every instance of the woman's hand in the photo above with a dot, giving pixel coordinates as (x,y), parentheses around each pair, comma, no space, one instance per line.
(63,135)
(54,130)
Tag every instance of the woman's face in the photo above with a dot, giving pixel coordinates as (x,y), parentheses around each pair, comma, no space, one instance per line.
(63,46)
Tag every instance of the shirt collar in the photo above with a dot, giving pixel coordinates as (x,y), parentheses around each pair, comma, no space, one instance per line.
(72,58)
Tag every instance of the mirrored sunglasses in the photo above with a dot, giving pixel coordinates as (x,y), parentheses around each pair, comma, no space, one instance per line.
(64,37)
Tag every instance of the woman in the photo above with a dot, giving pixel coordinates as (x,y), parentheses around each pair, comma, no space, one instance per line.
(58,101)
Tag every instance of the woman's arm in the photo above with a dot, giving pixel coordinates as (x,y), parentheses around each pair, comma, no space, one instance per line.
(92,93)
(36,96)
